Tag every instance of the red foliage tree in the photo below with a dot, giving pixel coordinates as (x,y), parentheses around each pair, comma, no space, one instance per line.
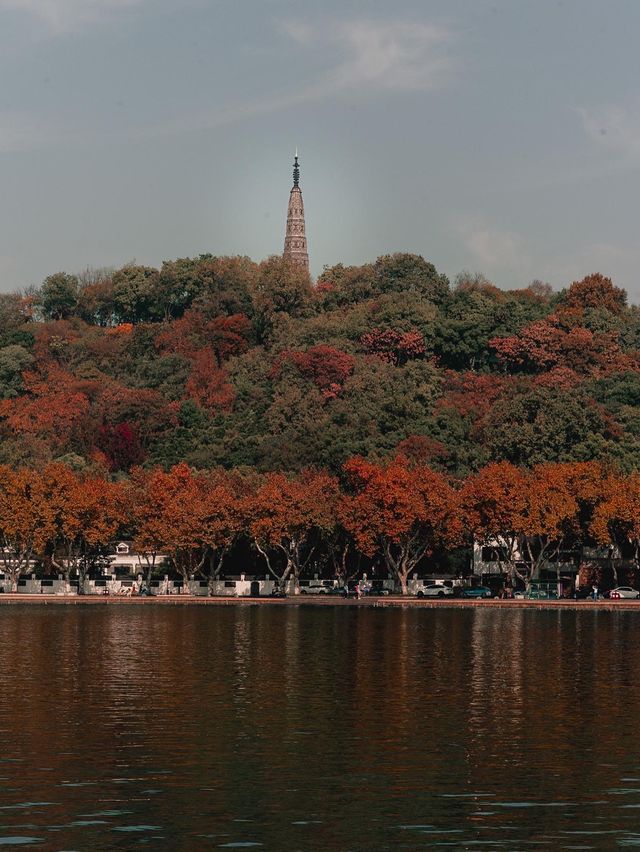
(224,336)
(546,344)
(421,450)
(54,403)
(121,445)
(395,347)
(595,291)
(328,368)
(27,520)
(472,394)
(209,384)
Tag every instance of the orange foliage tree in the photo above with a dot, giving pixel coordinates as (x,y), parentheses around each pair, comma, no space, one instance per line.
(493,507)
(285,513)
(53,405)
(27,521)
(224,518)
(551,521)
(146,496)
(88,512)
(616,518)
(402,512)
(530,515)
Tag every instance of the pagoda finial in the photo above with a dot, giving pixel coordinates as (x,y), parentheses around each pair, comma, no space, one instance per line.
(296,170)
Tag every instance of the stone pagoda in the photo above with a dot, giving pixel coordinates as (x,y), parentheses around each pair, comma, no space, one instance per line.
(295,241)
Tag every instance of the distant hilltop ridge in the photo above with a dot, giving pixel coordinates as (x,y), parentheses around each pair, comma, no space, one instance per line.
(220,361)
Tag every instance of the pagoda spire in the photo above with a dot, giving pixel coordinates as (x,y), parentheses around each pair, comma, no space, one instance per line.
(295,241)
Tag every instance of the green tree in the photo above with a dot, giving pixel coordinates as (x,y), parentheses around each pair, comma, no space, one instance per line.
(410,273)
(59,296)
(547,425)
(281,287)
(13,360)
(134,293)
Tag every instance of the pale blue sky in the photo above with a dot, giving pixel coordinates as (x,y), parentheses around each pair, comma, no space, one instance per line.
(493,135)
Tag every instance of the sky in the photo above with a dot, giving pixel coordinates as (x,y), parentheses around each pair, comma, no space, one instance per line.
(495,136)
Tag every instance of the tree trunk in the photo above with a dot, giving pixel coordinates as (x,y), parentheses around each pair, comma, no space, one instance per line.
(403,576)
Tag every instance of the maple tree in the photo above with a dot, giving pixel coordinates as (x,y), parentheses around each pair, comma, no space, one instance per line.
(546,344)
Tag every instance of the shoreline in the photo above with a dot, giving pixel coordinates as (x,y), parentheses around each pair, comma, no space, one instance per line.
(317,601)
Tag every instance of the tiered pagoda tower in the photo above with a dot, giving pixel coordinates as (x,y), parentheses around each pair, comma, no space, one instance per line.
(295,241)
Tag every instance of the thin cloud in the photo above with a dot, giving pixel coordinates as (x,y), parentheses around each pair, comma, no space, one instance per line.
(384,54)
(370,57)
(495,249)
(59,17)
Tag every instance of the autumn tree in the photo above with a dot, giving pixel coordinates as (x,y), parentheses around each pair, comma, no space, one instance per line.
(87,512)
(394,346)
(225,501)
(529,516)
(178,502)
(208,384)
(595,291)
(493,509)
(402,512)
(284,515)
(146,498)
(551,520)
(616,520)
(546,344)
(27,521)
(326,367)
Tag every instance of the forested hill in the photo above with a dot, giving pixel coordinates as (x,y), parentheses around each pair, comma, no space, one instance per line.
(221,361)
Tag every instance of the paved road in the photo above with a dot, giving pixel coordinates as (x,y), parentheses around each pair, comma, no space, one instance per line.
(316,600)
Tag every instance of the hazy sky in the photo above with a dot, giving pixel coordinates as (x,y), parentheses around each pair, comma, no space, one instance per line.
(500,135)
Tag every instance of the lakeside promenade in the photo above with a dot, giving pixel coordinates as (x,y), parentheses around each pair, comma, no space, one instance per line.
(316,601)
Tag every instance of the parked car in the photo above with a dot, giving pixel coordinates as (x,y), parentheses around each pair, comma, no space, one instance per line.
(316,587)
(377,588)
(477,592)
(624,592)
(434,590)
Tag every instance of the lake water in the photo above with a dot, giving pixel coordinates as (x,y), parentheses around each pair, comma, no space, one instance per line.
(318,729)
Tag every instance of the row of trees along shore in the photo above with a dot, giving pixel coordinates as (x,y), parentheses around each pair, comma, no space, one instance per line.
(395,517)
